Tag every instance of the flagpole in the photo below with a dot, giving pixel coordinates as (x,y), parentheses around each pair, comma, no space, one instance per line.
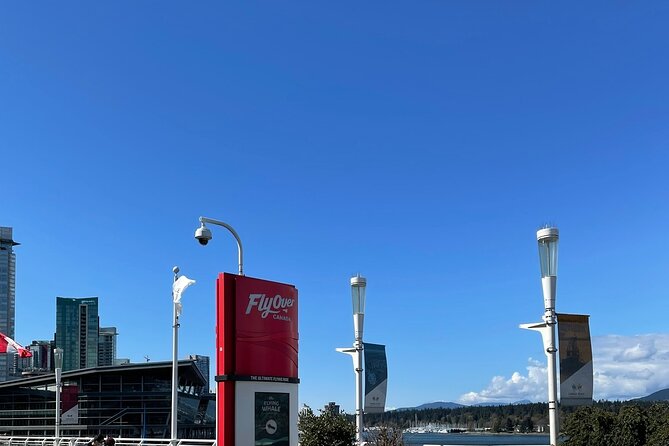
(175,374)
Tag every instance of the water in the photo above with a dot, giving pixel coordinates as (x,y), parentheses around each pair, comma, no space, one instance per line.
(425,439)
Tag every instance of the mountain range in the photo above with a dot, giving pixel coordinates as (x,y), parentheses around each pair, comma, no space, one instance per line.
(660,395)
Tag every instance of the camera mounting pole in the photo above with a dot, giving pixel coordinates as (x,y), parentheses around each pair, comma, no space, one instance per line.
(240,251)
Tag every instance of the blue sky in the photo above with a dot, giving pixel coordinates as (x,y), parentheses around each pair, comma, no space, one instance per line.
(418,143)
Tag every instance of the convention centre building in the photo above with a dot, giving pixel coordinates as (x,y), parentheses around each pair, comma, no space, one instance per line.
(129,401)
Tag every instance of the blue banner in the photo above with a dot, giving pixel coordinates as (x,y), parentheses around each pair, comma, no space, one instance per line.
(376,378)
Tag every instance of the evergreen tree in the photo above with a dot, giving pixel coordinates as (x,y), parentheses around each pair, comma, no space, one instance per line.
(526,425)
(589,426)
(630,429)
(657,431)
(327,429)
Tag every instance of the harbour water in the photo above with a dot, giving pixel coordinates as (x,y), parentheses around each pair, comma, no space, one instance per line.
(437,439)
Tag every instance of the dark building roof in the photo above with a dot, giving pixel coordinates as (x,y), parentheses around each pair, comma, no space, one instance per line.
(187,368)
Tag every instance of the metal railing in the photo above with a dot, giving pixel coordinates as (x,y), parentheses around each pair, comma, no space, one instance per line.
(81,441)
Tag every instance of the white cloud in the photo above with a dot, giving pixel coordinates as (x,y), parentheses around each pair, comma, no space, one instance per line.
(630,366)
(516,388)
(625,367)
(638,352)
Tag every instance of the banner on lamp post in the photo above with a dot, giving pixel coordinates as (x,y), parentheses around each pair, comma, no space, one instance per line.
(70,404)
(576,382)
(376,378)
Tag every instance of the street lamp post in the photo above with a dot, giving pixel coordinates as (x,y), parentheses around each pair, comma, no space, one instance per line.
(175,364)
(178,287)
(548,256)
(58,367)
(358,287)
(203,235)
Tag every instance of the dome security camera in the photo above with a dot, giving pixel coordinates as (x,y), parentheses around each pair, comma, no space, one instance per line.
(203,235)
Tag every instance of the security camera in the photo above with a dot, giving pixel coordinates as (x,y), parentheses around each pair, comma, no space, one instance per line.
(203,235)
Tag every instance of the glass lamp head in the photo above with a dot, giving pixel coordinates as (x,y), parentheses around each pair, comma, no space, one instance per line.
(548,251)
(358,285)
(58,358)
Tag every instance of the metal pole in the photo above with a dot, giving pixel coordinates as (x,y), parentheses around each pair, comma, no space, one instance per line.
(58,379)
(358,345)
(175,372)
(240,251)
(358,392)
(551,350)
(240,265)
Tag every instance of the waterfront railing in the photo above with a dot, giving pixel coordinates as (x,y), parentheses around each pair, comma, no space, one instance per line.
(81,441)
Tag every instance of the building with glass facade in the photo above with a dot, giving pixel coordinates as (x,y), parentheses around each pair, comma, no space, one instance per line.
(107,346)
(77,327)
(41,361)
(7,296)
(129,401)
(202,363)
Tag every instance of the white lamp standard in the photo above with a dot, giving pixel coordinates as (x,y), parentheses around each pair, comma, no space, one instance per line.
(175,363)
(178,287)
(58,366)
(203,235)
(548,256)
(358,287)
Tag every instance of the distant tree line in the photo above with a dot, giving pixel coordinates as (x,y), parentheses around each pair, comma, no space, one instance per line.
(610,423)
(606,423)
(507,418)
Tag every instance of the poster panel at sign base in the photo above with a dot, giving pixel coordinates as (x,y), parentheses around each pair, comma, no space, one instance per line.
(272,419)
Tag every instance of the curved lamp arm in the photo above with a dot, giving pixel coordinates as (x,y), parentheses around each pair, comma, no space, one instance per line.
(240,251)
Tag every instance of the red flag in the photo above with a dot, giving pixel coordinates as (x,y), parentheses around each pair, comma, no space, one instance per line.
(8,345)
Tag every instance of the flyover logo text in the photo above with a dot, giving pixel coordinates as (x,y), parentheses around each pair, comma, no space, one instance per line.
(277,306)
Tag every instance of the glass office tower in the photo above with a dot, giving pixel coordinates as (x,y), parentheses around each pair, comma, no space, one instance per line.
(107,346)
(202,363)
(7,295)
(77,326)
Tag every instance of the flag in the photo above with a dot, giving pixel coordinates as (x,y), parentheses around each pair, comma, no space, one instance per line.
(8,345)
(178,287)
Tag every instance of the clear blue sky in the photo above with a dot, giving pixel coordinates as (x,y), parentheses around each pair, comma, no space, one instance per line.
(418,143)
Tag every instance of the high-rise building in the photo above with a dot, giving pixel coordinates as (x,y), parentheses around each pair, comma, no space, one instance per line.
(77,327)
(41,361)
(107,346)
(202,363)
(7,295)
(332,408)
